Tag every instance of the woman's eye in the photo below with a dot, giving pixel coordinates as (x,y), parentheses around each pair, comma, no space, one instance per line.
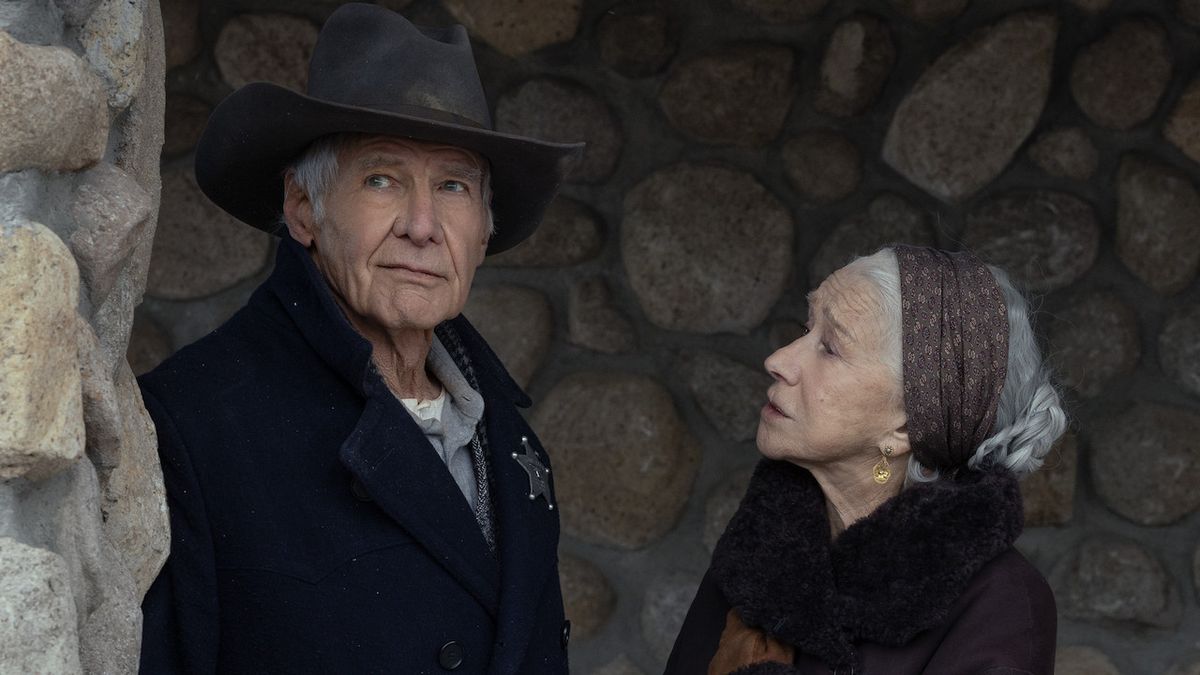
(828,349)
(377,181)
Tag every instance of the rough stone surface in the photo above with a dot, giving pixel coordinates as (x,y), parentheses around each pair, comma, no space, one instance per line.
(38,624)
(186,117)
(110,211)
(1119,580)
(1118,80)
(644,466)
(1157,488)
(557,110)
(857,61)
(931,11)
(115,46)
(593,321)
(1157,211)
(619,666)
(1183,126)
(781,11)
(1186,667)
(587,597)
(181,26)
(1189,11)
(730,393)
(973,108)
(735,95)
(888,219)
(1066,152)
(35,22)
(570,233)
(1046,240)
(1049,492)
(149,345)
(1196,571)
(516,27)
(76,12)
(637,38)
(1179,347)
(266,47)
(52,109)
(198,248)
(722,504)
(516,322)
(785,332)
(824,166)
(707,248)
(41,417)
(663,610)
(1083,660)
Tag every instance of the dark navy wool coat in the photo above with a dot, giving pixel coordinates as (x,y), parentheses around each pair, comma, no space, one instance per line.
(315,530)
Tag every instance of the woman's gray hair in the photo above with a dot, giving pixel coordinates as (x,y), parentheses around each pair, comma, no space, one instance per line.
(316,169)
(1029,417)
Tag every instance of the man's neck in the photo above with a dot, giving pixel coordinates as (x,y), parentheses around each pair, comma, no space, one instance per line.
(401,357)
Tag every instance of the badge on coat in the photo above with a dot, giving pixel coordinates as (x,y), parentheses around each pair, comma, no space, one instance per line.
(539,474)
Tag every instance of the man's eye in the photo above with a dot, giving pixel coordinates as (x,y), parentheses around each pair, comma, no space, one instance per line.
(454,186)
(377,181)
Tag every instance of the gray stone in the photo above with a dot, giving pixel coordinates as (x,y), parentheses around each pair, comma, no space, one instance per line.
(1183,126)
(594,322)
(34,22)
(1118,580)
(1145,462)
(857,61)
(557,110)
(115,46)
(570,233)
(619,666)
(1082,660)
(198,248)
(735,95)
(517,323)
(1196,571)
(888,219)
(41,416)
(722,503)
(186,117)
(1049,493)
(394,5)
(1157,211)
(149,344)
(1066,152)
(782,11)
(52,109)
(110,639)
(637,38)
(1179,348)
(931,11)
(1092,6)
(1118,80)
(824,166)
(181,25)
(516,27)
(76,12)
(1189,11)
(785,332)
(730,393)
(265,47)
(707,248)
(665,605)
(37,618)
(973,108)
(1095,341)
(1046,240)
(1188,666)
(644,465)
(111,211)
(587,597)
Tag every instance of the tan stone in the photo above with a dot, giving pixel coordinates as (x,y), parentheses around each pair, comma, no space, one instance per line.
(856,63)
(782,11)
(637,38)
(644,466)
(557,110)
(594,322)
(1082,660)
(181,25)
(149,344)
(587,597)
(971,110)
(115,46)
(41,416)
(1049,492)
(186,117)
(1108,578)
(110,211)
(267,48)
(730,393)
(516,321)
(569,234)
(1095,341)
(1066,152)
(1183,127)
(52,109)
(822,165)
(663,609)
(1118,80)
(516,27)
(37,613)
(888,219)
(722,503)
(1157,211)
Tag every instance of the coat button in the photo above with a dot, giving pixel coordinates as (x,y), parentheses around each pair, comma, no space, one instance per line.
(566,633)
(360,492)
(450,656)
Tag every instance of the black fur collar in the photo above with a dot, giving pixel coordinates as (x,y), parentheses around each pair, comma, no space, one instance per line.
(886,578)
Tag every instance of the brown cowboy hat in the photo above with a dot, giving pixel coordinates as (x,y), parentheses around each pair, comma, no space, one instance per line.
(373,72)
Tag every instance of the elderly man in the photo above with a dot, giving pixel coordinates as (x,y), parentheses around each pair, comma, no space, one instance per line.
(351,486)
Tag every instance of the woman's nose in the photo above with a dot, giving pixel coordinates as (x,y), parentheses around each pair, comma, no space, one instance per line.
(782,365)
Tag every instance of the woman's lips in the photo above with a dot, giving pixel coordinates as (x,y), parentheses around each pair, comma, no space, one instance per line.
(770,409)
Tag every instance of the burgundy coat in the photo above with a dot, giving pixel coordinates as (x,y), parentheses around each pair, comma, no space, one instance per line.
(928,583)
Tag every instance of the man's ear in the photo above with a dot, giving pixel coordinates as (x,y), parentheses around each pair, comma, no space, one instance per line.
(298,211)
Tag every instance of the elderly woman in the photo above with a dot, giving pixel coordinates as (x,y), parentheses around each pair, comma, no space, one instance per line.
(877,535)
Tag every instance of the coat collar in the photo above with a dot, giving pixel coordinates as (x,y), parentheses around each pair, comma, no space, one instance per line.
(888,577)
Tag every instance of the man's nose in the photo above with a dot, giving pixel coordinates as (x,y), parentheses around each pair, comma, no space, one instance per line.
(419,222)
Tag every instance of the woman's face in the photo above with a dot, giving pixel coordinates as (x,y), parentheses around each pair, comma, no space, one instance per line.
(834,398)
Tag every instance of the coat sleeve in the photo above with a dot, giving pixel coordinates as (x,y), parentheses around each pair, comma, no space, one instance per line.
(180,629)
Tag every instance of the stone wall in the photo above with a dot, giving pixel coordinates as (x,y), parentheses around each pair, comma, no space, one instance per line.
(83,523)
(739,151)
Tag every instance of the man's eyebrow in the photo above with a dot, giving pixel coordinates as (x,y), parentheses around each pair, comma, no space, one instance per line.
(376,161)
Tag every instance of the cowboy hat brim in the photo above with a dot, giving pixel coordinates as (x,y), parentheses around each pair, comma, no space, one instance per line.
(242,154)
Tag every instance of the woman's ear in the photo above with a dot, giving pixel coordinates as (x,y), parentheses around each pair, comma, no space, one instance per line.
(897,440)
(298,211)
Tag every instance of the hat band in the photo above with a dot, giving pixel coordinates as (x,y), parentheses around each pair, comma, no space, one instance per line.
(416,111)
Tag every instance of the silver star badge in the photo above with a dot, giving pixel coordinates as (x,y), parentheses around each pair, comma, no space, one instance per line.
(539,474)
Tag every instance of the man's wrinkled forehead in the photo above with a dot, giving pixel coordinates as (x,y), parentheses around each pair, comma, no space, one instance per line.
(375,151)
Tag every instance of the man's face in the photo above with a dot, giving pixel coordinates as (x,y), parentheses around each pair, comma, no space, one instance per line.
(405,227)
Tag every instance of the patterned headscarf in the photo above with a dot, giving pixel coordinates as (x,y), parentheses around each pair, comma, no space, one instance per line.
(955,352)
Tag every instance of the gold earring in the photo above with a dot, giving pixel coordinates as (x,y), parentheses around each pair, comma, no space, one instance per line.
(882,471)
